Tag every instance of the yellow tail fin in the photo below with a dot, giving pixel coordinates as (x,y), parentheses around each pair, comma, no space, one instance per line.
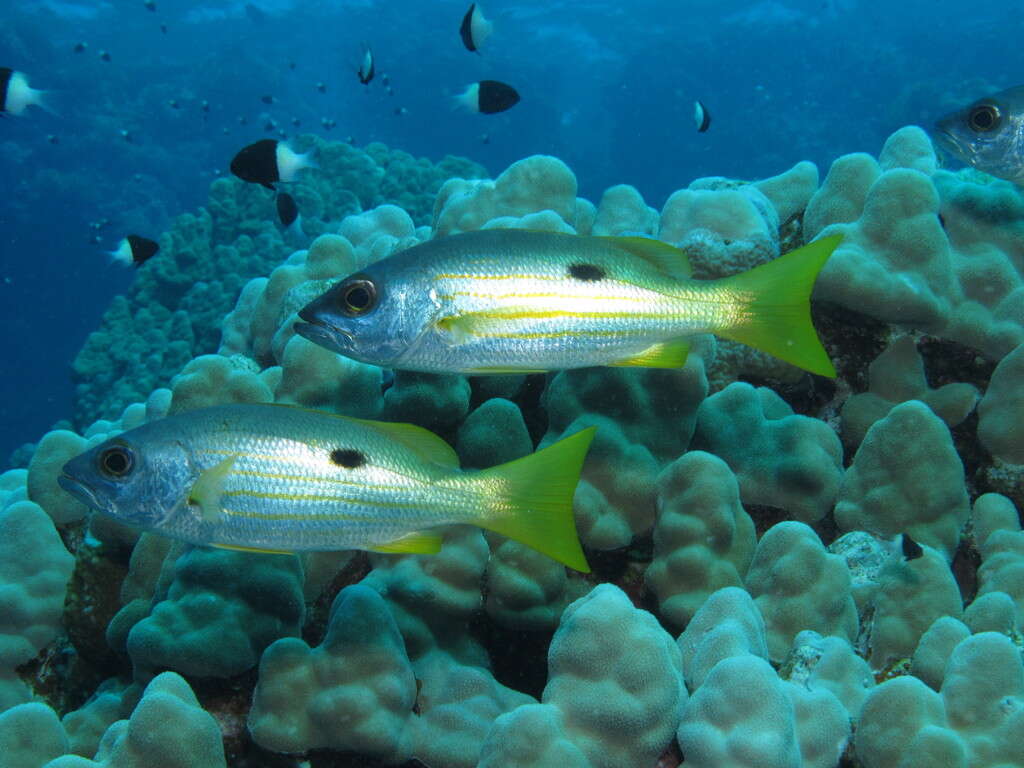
(777,310)
(534,499)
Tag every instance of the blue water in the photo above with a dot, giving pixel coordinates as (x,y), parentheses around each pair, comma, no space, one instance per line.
(606,86)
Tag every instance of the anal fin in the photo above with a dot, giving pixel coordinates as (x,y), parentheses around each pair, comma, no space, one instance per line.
(665,354)
(416,543)
(257,550)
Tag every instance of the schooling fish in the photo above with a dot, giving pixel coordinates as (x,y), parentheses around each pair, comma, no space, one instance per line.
(988,134)
(515,301)
(283,479)
(15,94)
(366,69)
(488,97)
(475,29)
(134,251)
(268,162)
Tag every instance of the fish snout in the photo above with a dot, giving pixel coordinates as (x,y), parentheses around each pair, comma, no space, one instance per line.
(80,490)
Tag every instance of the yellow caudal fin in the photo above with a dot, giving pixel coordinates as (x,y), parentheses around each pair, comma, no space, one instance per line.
(776,309)
(534,505)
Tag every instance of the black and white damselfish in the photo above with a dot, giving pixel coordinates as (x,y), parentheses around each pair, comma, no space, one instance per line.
(488,97)
(134,251)
(475,29)
(268,162)
(15,94)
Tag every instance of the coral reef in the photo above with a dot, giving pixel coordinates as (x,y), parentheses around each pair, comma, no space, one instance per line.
(787,571)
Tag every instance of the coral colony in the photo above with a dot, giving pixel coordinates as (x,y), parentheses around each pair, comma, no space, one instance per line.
(787,570)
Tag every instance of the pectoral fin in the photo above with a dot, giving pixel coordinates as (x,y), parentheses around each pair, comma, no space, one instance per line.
(667,354)
(417,543)
(208,489)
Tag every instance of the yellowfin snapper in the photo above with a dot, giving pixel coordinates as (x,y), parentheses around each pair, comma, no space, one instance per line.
(515,301)
(988,134)
(276,478)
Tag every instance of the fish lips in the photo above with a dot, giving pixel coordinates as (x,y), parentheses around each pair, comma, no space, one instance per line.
(82,491)
(320,330)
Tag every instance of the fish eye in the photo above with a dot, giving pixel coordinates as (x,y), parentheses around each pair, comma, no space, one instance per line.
(984,118)
(116,462)
(358,297)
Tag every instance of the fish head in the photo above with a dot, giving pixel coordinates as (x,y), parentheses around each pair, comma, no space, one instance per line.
(988,134)
(138,481)
(374,316)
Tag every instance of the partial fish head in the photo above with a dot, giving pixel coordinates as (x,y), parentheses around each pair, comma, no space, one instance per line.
(988,134)
(374,316)
(133,478)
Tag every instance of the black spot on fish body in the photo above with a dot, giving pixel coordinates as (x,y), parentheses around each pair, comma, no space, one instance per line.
(911,549)
(588,273)
(349,458)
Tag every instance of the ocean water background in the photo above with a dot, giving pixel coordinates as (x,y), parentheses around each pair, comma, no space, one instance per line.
(608,87)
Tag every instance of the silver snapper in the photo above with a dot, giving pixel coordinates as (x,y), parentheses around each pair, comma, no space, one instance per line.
(514,301)
(988,134)
(276,478)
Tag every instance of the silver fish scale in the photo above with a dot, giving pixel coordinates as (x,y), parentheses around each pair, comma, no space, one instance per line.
(285,493)
(512,305)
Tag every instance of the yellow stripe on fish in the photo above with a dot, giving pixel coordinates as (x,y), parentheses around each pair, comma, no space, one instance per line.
(519,301)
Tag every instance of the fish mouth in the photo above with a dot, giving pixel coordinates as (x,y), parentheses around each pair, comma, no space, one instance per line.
(948,141)
(323,334)
(81,491)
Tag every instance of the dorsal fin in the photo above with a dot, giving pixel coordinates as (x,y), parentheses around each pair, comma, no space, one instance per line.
(662,256)
(420,441)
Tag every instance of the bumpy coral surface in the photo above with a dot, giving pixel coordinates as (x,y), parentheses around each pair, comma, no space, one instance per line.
(786,570)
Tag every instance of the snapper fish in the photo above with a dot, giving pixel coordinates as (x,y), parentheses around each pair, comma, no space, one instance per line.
(276,478)
(988,134)
(517,301)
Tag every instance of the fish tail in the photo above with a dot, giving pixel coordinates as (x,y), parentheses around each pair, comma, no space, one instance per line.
(776,312)
(534,503)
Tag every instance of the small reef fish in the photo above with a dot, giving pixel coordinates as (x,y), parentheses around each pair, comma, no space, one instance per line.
(701,117)
(475,29)
(519,301)
(366,69)
(135,250)
(288,213)
(287,210)
(15,94)
(488,97)
(988,134)
(276,478)
(269,161)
